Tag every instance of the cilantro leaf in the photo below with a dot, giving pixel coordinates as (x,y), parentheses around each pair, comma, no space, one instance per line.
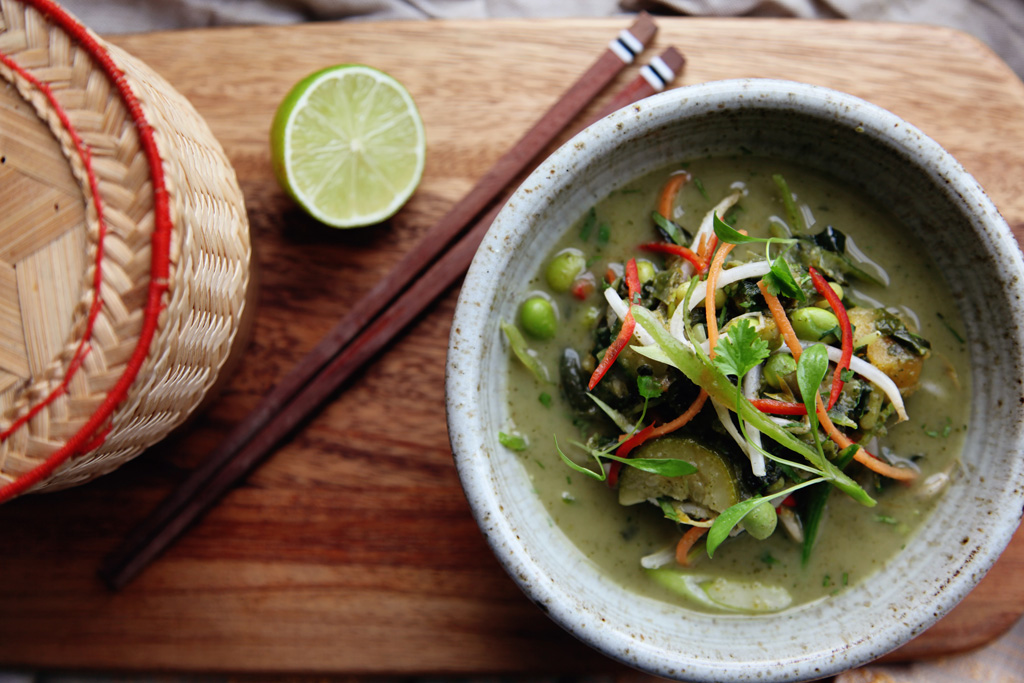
(648,386)
(780,280)
(740,349)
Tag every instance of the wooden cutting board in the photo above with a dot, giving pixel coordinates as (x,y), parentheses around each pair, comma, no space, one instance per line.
(352,551)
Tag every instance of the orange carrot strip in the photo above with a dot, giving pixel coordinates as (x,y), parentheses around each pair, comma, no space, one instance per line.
(779,314)
(680,421)
(669,192)
(709,296)
(872,462)
(686,543)
(650,432)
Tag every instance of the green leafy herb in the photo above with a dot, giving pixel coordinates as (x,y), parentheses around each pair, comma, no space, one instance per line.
(648,386)
(727,233)
(589,221)
(740,349)
(671,228)
(768,558)
(885,519)
(813,512)
(939,433)
(604,232)
(700,370)
(952,331)
(545,399)
(731,516)
(700,188)
(780,280)
(810,373)
(666,467)
(512,441)
(524,353)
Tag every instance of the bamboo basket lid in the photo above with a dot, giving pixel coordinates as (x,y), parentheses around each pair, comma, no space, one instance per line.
(124,253)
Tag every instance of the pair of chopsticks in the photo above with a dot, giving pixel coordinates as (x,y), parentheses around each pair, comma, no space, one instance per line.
(425,273)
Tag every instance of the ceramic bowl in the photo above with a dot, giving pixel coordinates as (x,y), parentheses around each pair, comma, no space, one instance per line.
(890,161)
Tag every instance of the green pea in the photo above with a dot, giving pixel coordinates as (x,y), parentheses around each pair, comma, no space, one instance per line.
(778,368)
(538,318)
(814,324)
(645,270)
(760,522)
(564,268)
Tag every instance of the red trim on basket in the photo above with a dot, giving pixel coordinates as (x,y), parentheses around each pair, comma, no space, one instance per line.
(95,430)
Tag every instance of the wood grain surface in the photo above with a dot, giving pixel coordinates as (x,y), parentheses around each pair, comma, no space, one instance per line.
(352,551)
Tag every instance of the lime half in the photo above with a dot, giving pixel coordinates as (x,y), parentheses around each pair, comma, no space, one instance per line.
(348,145)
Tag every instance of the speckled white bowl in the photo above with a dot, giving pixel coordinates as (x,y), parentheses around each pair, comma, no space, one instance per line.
(932,195)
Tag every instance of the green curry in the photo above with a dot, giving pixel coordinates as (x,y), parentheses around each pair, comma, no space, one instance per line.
(739,386)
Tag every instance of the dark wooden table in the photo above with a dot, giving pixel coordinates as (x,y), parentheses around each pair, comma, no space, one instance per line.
(352,551)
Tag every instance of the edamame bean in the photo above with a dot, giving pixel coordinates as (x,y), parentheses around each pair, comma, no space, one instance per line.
(564,268)
(538,318)
(778,368)
(835,287)
(645,270)
(760,522)
(814,324)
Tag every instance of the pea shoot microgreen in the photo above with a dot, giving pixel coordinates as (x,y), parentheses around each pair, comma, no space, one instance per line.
(666,467)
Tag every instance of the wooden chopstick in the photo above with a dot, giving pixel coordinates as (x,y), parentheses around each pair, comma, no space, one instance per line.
(335,358)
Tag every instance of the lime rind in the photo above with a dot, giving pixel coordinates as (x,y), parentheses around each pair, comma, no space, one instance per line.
(349,146)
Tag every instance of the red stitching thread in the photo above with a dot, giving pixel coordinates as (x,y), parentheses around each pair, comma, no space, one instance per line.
(93,433)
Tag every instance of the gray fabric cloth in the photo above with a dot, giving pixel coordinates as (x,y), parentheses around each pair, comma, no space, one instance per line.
(999,23)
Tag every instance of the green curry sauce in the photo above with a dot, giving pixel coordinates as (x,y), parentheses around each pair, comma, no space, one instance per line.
(853,540)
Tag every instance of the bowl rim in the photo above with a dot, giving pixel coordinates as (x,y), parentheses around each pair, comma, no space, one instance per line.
(464,369)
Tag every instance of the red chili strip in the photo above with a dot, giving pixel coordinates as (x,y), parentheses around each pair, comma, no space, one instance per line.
(775,407)
(676,250)
(623,451)
(844,326)
(628,326)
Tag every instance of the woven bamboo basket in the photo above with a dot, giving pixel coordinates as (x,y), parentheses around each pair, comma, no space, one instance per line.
(124,253)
